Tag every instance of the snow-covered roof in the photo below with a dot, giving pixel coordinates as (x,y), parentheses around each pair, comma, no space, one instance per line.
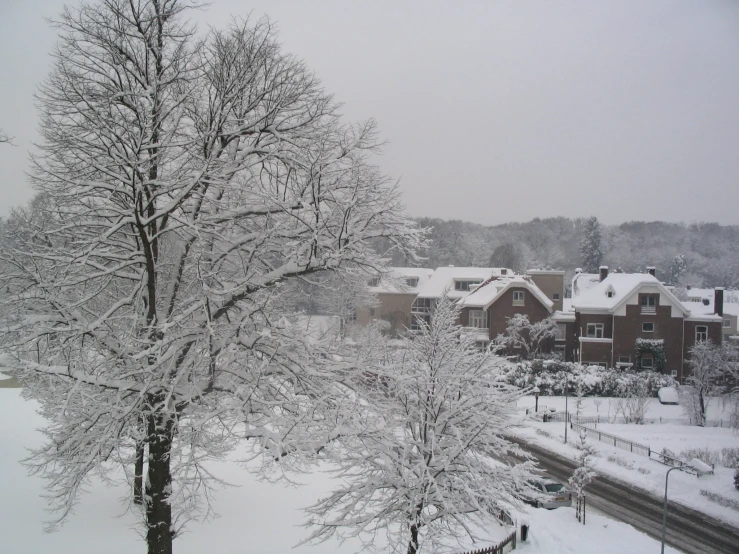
(582,282)
(396,280)
(563,316)
(444,277)
(486,294)
(613,291)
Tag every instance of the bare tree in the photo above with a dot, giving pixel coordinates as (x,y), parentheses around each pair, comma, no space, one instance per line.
(634,406)
(184,184)
(4,138)
(426,470)
(710,364)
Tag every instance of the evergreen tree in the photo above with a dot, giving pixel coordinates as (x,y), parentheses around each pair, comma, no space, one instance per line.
(591,251)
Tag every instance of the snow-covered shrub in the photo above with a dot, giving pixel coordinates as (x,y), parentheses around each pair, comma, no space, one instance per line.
(736,479)
(726,457)
(552,377)
(633,407)
(720,498)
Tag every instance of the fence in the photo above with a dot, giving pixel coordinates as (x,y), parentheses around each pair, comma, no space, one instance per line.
(499,548)
(612,439)
(595,420)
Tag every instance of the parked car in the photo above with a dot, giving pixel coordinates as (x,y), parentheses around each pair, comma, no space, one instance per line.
(548,493)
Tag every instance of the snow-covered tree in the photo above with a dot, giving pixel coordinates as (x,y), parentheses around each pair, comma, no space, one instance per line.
(709,364)
(591,250)
(583,474)
(185,182)
(678,268)
(427,469)
(525,339)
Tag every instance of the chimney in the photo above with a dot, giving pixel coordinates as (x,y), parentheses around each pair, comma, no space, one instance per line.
(603,272)
(652,271)
(688,287)
(718,301)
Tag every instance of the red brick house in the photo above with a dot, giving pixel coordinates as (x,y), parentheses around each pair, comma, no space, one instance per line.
(632,320)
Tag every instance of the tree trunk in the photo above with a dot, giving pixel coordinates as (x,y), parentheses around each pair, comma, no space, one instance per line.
(138,474)
(159,486)
(702,406)
(413,544)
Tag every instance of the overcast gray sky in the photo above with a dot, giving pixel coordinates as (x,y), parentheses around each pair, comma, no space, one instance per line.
(493,111)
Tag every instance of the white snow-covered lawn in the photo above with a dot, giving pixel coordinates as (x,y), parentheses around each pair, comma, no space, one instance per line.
(255,517)
(716,410)
(640,470)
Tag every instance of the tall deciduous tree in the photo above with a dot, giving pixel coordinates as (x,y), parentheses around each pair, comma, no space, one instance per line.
(184,183)
(591,250)
(425,471)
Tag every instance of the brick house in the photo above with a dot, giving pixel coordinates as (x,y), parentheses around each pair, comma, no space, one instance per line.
(395,292)
(702,301)
(633,320)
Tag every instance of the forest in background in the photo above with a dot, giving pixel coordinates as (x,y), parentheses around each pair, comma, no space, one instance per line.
(699,254)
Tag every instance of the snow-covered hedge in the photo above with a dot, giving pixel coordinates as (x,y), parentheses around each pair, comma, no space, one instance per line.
(550,377)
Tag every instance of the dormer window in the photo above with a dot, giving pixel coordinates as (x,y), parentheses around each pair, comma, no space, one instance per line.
(374,282)
(610,293)
(467,284)
(503,271)
(412,282)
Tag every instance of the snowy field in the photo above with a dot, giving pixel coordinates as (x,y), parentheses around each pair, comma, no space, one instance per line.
(716,411)
(640,470)
(255,517)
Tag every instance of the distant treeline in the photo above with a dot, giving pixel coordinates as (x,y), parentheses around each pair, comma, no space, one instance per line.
(700,254)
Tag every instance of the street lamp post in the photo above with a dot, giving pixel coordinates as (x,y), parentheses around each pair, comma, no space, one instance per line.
(536,392)
(699,468)
(567,416)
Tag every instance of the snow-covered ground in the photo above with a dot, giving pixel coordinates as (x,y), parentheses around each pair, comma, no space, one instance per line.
(640,470)
(716,411)
(254,517)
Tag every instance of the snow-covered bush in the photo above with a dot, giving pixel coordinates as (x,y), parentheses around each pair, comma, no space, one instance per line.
(553,377)
(736,479)
(726,457)
(633,407)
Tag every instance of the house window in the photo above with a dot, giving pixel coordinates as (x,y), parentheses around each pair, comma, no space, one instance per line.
(701,333)
(412,282)
(503,271)
(673,373)
(518,296)
(555,296)
(624,359)
(351,316)
(372,312)
(727,323)
(559,347)
(417,321)
(647,327)
(649,304)
(422,305)
(561,332)
(647,362)
(482,345)
(374,282)
(478,319)
(466,285)
(595,330)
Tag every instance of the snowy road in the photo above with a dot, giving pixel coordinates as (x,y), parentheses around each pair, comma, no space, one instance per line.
(687,530)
